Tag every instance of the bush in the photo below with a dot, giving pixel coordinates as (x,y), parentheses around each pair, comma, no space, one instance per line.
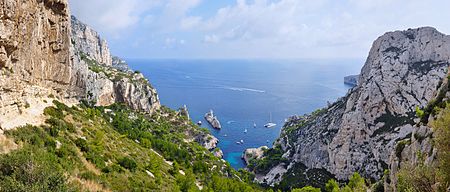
(306,189)
(420,113)
(128,163)
(82,144)
(31,169)
(53,112)
(332,186)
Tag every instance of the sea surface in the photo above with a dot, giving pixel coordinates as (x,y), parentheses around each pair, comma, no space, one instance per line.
(244,92)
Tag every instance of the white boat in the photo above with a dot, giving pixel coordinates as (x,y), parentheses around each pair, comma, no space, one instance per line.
(270,124)
(199,123)
(242,141)
(245,131)
(237,142)
(254,125)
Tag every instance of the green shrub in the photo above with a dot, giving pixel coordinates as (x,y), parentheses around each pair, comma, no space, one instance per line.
(306,189)
(31,169)
(82,144)
(53,112)
(332,186)
(420,113)
(128,163)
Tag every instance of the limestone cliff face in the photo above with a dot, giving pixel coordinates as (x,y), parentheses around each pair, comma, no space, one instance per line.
(96,79)
(34,41)
(45,54)
(358,133)
(87,41)
(419,148)
(34,58)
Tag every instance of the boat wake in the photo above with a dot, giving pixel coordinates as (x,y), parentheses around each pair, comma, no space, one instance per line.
(244,89)
(230,122)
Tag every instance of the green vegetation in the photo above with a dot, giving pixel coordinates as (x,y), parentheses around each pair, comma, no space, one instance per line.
(430,177)
(420,113)
(306,189)
(272,157)
(115,149)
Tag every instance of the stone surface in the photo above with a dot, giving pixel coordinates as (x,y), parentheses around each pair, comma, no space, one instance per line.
(207,140)
(218,153)
(106,84)
(253,153)
(359,131)
(120,64)
(87,41)
(34,58)
(212,120)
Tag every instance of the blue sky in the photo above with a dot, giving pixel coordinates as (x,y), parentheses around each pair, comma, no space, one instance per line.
(275,29)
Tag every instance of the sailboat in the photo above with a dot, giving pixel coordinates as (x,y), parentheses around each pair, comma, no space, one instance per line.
(270,124)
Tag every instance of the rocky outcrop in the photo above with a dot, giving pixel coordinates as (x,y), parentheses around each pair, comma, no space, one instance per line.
(359,131)
(183,111)
(120,64)
(351,80)
(218,153)
(96,79)
(87,41)
(34,58)
(212,120)
(253,153)
(207,140)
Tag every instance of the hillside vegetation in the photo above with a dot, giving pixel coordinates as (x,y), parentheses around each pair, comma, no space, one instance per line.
(86,148)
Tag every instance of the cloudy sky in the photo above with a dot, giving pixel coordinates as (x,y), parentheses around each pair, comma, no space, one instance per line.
(254,28)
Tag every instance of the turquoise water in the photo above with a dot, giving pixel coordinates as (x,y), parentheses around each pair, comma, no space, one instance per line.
(245,91)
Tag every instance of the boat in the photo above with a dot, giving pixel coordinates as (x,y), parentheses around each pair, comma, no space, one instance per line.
(237,142)
(199,123)
(270,124)
(242,141)
(245,131)
(254,125)
(225,135)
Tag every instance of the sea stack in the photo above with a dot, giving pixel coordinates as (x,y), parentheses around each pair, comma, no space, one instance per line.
(213,120)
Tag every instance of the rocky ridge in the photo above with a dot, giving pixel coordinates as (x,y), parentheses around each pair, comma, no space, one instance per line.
(358,133)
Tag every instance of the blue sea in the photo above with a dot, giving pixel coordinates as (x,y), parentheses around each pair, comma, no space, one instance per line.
(242,92)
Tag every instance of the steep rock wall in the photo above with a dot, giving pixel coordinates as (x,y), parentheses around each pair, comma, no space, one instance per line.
(359,132)
(34,58)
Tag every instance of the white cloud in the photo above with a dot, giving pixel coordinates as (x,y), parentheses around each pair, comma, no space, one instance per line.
(262,28)
(190,22)
(211,39)
(110,16)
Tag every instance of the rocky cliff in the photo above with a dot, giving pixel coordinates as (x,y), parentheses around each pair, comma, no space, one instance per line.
(358,133)
(97,80)
(88,41)
(45,54)
(34,58)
